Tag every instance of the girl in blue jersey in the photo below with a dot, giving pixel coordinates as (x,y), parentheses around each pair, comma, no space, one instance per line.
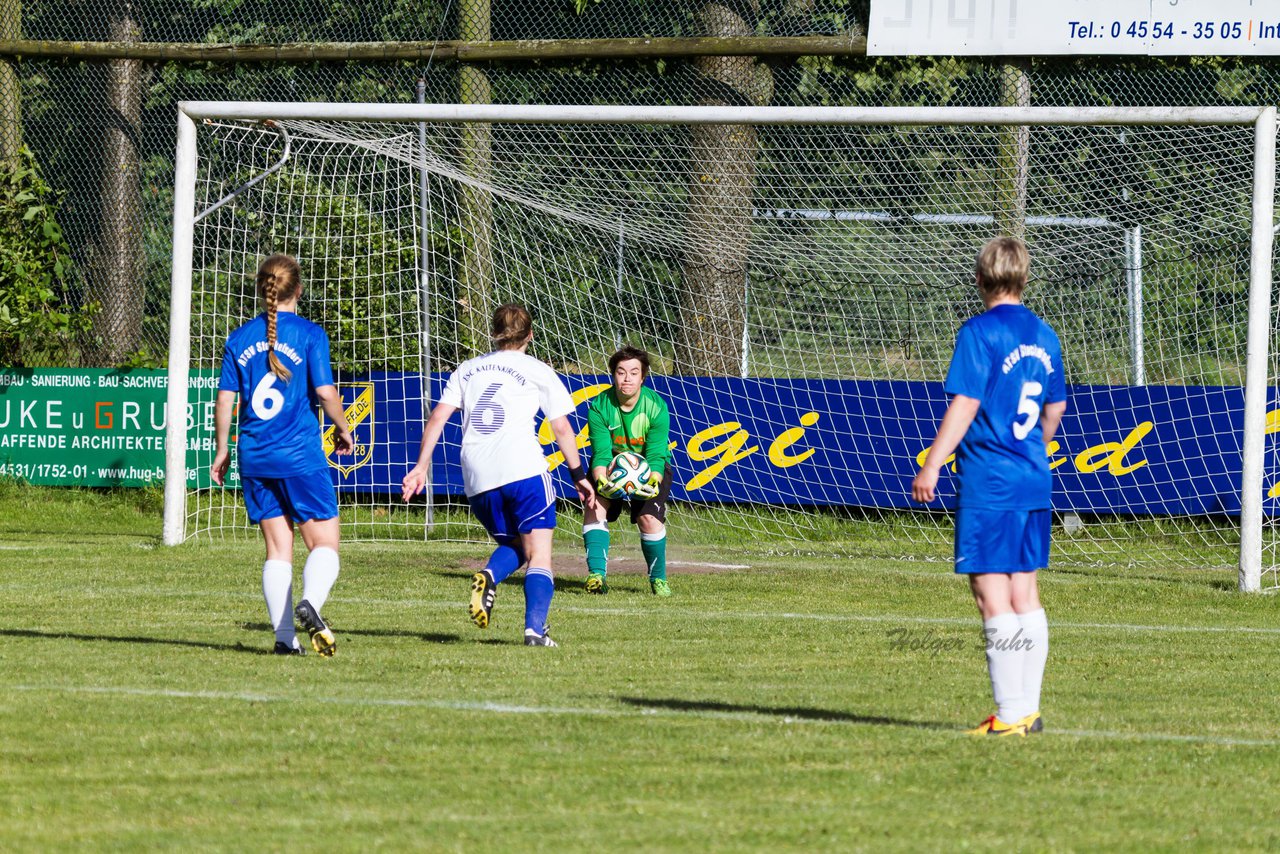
(279,365)
(504,471)
(1008,397)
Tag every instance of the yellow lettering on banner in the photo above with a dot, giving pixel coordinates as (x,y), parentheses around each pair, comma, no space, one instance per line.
(778,450)
(1050,449)
(546,435)
(729,451)
(1112,454)
(950,461)
(1272,424)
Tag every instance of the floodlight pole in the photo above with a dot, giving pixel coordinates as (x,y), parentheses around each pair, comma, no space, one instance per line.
(1259,320)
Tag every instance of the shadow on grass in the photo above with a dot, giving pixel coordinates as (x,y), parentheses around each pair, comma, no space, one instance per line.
(53,536)
(226,647)
(572,586)
(450,572)
(798,712)
(425,637)
(1188,577)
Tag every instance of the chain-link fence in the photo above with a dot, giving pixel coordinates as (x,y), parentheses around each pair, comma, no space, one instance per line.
(102,131)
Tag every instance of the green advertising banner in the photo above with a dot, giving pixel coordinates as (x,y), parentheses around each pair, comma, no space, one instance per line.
(66,427)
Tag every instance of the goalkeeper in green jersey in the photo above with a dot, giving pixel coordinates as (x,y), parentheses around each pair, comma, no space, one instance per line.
(629,417)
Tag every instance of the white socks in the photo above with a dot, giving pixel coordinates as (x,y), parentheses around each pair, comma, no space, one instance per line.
(1017,648)
(1006,653)
(319,575)
(1035,628)
(277,589)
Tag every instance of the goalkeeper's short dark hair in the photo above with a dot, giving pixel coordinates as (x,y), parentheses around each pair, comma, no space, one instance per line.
(627,353)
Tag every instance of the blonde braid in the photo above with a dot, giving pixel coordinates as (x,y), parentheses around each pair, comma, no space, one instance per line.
(277,367)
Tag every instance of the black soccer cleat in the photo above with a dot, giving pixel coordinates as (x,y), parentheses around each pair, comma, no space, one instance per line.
(483,593)
(321,637)
(283,648)
(532,638)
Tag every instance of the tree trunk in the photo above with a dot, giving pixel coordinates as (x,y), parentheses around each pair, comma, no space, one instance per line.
(476,206)
(116,271)
(10,93)
(1015,154)
(718,222)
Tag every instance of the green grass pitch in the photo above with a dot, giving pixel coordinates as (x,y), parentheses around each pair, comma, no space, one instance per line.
(765,708)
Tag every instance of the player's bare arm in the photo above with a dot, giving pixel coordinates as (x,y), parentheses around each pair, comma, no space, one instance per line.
(417,476)
(568,442)
(222,428)
(960,414)
(331,403)
(1050,418)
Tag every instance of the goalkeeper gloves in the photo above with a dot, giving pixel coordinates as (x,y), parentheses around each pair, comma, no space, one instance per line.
(606,488)
(649,489)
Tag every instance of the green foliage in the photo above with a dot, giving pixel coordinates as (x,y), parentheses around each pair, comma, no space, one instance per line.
(37,325)
(143,358)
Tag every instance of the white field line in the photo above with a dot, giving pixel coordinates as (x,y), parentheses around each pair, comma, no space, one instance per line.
(934,571)
(668,611)
(517,709)
(709,565)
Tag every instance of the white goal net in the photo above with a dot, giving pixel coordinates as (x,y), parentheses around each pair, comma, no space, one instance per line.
(798,277)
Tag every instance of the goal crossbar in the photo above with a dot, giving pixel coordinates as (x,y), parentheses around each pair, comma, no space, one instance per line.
(613,114)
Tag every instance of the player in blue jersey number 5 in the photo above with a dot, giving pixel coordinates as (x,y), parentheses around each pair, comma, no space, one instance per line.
(279,365)
(504,472)
(1008,397)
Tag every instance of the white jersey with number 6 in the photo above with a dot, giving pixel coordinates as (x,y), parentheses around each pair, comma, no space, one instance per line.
(500,394)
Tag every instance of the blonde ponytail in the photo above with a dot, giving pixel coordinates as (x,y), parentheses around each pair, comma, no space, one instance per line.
(278,278)
(277,366)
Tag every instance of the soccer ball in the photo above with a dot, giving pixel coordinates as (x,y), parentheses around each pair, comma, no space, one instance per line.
(628,471)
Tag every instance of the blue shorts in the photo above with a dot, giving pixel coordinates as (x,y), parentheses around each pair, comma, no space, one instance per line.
(1001,540)
(516,508)
(302,498)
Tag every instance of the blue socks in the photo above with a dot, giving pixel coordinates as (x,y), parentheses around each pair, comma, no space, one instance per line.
(504,561)
(539,587)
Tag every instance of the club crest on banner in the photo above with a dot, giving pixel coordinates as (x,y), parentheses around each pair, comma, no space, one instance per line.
(358,400)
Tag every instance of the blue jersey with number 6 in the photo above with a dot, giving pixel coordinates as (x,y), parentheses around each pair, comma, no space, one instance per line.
(1010,361)
(279,434)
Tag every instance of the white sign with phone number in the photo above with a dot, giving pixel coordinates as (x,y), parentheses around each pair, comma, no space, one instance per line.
(1074,27)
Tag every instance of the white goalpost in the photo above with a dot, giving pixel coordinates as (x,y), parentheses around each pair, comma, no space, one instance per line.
(798,275)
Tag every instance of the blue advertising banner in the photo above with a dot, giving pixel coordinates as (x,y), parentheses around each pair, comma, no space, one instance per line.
(1154,450)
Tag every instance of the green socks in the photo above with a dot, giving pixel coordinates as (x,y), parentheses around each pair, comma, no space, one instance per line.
(654,549)
(596,539)
(652,546)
